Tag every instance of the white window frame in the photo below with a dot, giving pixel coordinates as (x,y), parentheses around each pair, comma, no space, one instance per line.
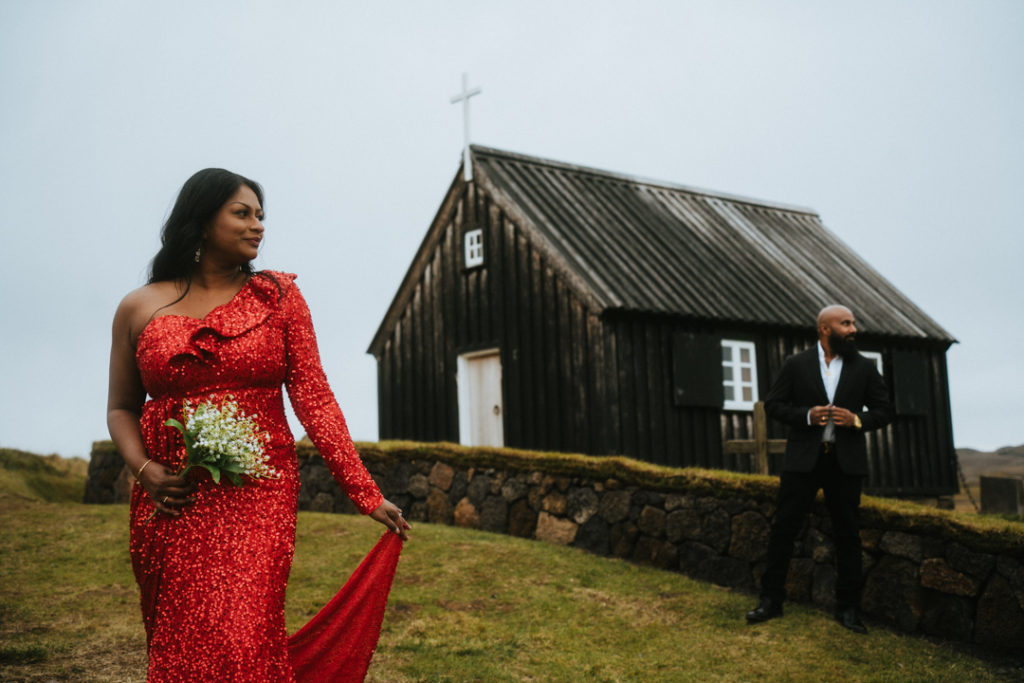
(735,346)
(474,248)
(876,356)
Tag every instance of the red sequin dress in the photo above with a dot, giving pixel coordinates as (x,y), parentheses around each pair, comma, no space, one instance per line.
(213,580)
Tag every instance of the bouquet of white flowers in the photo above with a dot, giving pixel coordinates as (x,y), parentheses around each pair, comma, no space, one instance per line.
(222,439)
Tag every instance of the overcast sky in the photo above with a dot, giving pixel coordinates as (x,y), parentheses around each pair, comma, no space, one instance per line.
(901,123)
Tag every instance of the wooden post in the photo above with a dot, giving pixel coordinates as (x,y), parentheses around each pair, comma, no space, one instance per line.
(760,446)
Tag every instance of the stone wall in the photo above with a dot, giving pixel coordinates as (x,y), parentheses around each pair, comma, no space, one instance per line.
(926,571)
(109,480)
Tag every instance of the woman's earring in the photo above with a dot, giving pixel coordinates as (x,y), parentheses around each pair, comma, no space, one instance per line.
(198,251)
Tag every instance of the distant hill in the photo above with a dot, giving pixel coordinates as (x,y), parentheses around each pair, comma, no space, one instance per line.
(1017,451)
(1008,460)
(48,478)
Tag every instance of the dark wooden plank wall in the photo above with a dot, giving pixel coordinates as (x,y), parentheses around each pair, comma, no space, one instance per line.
(647,423)
(922,459)
(573,381)
(516,302)
(913,456)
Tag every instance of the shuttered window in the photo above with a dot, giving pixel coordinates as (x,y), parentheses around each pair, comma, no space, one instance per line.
(711,372)
(910,383)
(696,371)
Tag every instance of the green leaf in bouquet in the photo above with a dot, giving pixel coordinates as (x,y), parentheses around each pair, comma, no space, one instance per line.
(189,440)
(213,470)
(220,439)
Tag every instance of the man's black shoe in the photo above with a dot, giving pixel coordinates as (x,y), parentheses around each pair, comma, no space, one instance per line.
(849,617)
(765,610)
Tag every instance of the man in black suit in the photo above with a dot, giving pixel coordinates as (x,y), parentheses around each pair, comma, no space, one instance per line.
(828,396)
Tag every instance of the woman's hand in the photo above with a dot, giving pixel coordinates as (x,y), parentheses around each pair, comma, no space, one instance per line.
(168,491)
(388,514)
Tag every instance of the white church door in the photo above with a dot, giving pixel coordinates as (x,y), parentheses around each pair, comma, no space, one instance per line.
(481,413)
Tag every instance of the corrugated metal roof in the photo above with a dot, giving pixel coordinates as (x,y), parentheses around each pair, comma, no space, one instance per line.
(649,246)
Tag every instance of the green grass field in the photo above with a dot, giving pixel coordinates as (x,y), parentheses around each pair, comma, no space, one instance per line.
(466,606)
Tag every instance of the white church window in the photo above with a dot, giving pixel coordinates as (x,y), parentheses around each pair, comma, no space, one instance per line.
(739,375)
(875,357)
(474,242)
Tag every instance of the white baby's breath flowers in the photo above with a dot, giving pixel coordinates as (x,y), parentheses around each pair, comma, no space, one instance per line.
(222,439)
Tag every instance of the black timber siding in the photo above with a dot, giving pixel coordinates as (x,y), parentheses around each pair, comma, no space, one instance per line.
(912,456)
(919,458)
(516,302)
(600,383)
(646,423)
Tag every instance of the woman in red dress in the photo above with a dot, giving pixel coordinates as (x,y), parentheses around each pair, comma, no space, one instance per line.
(212,560)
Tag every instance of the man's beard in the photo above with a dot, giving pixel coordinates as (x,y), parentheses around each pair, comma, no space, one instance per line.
(846,347)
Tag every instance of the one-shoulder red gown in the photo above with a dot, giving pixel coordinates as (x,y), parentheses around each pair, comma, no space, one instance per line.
(213,580)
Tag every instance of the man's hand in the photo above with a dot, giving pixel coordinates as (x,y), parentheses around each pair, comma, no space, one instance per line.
(819,415)
(843,417)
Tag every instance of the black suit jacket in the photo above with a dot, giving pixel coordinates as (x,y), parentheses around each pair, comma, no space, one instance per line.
(799,387)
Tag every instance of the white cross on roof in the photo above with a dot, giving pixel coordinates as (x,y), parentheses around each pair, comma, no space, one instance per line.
(463,97)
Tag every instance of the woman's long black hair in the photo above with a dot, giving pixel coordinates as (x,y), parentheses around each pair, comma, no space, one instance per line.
(200,199)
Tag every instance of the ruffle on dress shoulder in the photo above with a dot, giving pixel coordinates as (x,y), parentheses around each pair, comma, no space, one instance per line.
(254,303)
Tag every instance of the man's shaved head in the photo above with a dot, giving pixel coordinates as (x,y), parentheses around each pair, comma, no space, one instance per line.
(837,330)
(831,312)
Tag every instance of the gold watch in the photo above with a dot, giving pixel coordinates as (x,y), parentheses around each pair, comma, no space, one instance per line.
(856,422)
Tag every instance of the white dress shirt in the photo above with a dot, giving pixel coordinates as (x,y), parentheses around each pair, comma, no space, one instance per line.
(830,378)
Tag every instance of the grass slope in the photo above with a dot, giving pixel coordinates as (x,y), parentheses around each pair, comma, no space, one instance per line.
(466,606)
(48,478)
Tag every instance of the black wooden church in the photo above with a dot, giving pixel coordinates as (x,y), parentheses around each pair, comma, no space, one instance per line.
(557,307)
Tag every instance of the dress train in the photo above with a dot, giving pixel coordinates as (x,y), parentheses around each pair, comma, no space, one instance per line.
(337,644)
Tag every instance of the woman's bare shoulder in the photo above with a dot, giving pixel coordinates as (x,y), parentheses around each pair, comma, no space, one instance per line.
(154,294)
(138,306)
